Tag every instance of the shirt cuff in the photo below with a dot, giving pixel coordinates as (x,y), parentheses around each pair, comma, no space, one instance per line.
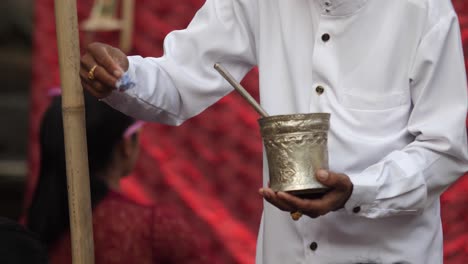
(363,196)
(131,71)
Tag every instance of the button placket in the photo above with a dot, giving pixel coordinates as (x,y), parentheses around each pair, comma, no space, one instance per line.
(322,51)
(327,6)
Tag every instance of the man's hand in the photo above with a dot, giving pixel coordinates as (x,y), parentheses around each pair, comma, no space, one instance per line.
(340,190)
(101,67)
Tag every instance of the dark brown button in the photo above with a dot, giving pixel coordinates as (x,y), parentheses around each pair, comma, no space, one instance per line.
(325,37)
(356,209)
(313,246)
(320,90)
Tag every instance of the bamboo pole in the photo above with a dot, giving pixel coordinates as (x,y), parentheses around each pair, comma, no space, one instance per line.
(75,133)
(128,9)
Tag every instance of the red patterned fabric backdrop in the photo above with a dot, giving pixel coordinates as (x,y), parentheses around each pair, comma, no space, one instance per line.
(211,165)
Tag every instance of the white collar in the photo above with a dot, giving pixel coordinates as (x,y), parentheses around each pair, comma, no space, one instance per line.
(339,7)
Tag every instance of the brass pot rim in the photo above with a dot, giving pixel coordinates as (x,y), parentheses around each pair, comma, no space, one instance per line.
(322,116)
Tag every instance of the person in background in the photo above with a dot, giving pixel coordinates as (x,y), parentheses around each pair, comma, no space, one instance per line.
(125,231)
(20,246)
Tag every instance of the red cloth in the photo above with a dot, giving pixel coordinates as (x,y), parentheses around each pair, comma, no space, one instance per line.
(128,232)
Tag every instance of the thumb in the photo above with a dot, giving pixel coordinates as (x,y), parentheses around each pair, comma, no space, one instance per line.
(330,179)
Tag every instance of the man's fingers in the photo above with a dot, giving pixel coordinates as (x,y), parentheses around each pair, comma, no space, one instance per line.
(313,208)
(96,88)
(100,68)
(99,73)
(272,198)
(101,55)
(93,92)
(340,189)
(330,202)
(94,84)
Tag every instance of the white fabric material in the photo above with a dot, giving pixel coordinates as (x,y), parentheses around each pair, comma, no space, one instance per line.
(395,85)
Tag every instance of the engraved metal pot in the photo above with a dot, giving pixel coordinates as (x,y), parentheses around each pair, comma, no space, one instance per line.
(296,146)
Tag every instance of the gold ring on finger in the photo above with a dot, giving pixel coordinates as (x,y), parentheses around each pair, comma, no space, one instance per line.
(91,72)
(296,215)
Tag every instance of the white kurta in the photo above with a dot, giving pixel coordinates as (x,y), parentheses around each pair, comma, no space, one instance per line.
(394,82)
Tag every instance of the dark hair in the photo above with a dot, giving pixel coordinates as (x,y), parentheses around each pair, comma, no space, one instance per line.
(19,246)
(48,214)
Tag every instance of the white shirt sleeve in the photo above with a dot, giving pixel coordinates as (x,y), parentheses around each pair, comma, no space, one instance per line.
(406,181)
(183,82)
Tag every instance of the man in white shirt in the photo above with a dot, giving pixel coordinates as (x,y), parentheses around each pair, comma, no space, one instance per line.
(392,75)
